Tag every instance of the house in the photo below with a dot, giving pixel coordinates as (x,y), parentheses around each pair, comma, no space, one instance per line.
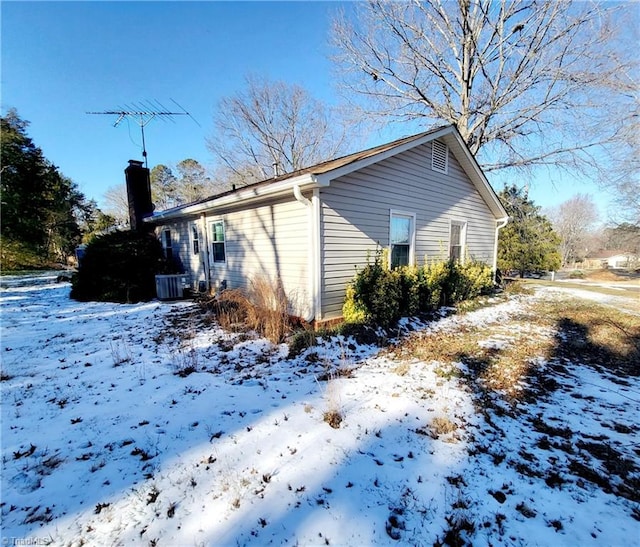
(422,197)
(615,259)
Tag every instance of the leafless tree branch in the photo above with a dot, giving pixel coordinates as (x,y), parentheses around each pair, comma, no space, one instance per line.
(526,82)
(273,122)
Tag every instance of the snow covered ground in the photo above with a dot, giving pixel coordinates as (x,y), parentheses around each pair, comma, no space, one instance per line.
(108,440)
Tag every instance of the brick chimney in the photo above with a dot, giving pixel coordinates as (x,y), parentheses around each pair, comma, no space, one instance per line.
(138,195)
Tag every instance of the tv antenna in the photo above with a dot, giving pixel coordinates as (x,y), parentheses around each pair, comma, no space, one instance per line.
(142,113)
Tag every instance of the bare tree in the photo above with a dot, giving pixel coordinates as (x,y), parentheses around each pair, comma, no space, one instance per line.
(624,176)
(574,222)
(116,204)
(273,125)
(526,82)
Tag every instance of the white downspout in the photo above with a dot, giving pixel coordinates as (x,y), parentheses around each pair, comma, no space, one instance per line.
(500,223)
(312,248)
(205,241)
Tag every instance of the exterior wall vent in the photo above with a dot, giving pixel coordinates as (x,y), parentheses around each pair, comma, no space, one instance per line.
(439,157)
(171,287)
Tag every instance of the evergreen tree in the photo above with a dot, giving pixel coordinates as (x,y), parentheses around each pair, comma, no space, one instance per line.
(528,241)
(163,187)
(191,184)
(40,207)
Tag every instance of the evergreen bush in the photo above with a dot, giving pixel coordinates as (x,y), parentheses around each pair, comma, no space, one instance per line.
(380,296)
(119,267)
(18,255)
(375,294)
(409,285)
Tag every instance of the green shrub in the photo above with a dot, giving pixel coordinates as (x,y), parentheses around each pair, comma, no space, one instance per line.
(376,294)
(16,255)
(476,278)
(352,311)
(119,267)
(409,285)
(379,296)
(435,276)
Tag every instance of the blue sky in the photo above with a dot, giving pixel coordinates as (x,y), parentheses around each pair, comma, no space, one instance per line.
(63,59)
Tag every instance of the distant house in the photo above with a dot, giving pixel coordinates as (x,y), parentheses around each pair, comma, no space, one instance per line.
(616,259)
(422,197)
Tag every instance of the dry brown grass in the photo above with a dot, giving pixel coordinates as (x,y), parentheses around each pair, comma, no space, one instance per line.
(604,275)
(269,312)
(263,309)
(441,425)
(595,334)
(231,309)
(547,331)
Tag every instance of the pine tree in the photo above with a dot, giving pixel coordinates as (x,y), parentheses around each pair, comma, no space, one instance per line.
(528,241)
(40,206)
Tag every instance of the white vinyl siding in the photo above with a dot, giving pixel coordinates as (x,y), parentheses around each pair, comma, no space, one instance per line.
(271,241)
(355,216)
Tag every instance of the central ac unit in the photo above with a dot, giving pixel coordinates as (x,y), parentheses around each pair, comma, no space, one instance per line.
(171,287)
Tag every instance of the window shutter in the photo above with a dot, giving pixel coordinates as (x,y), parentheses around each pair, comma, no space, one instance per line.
(439,156)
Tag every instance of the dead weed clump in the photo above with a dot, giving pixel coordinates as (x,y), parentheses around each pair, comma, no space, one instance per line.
(333,418)
(440,426)
(263,308)
(333,414)
(269,310)
(230,308)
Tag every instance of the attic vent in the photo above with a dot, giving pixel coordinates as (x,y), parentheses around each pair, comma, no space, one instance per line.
(439,156)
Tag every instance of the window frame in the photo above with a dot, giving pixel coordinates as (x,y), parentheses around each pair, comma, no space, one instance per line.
(462,224)
(412,235)
(167,243)
(195,239)
(212,232)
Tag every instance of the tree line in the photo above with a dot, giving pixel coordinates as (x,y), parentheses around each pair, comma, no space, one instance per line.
(44,215)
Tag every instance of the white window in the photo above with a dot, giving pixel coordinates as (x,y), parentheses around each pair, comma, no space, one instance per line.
(457,240)
(439,157)
(218,250)
(167,246)
(195,238)
(401,238)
